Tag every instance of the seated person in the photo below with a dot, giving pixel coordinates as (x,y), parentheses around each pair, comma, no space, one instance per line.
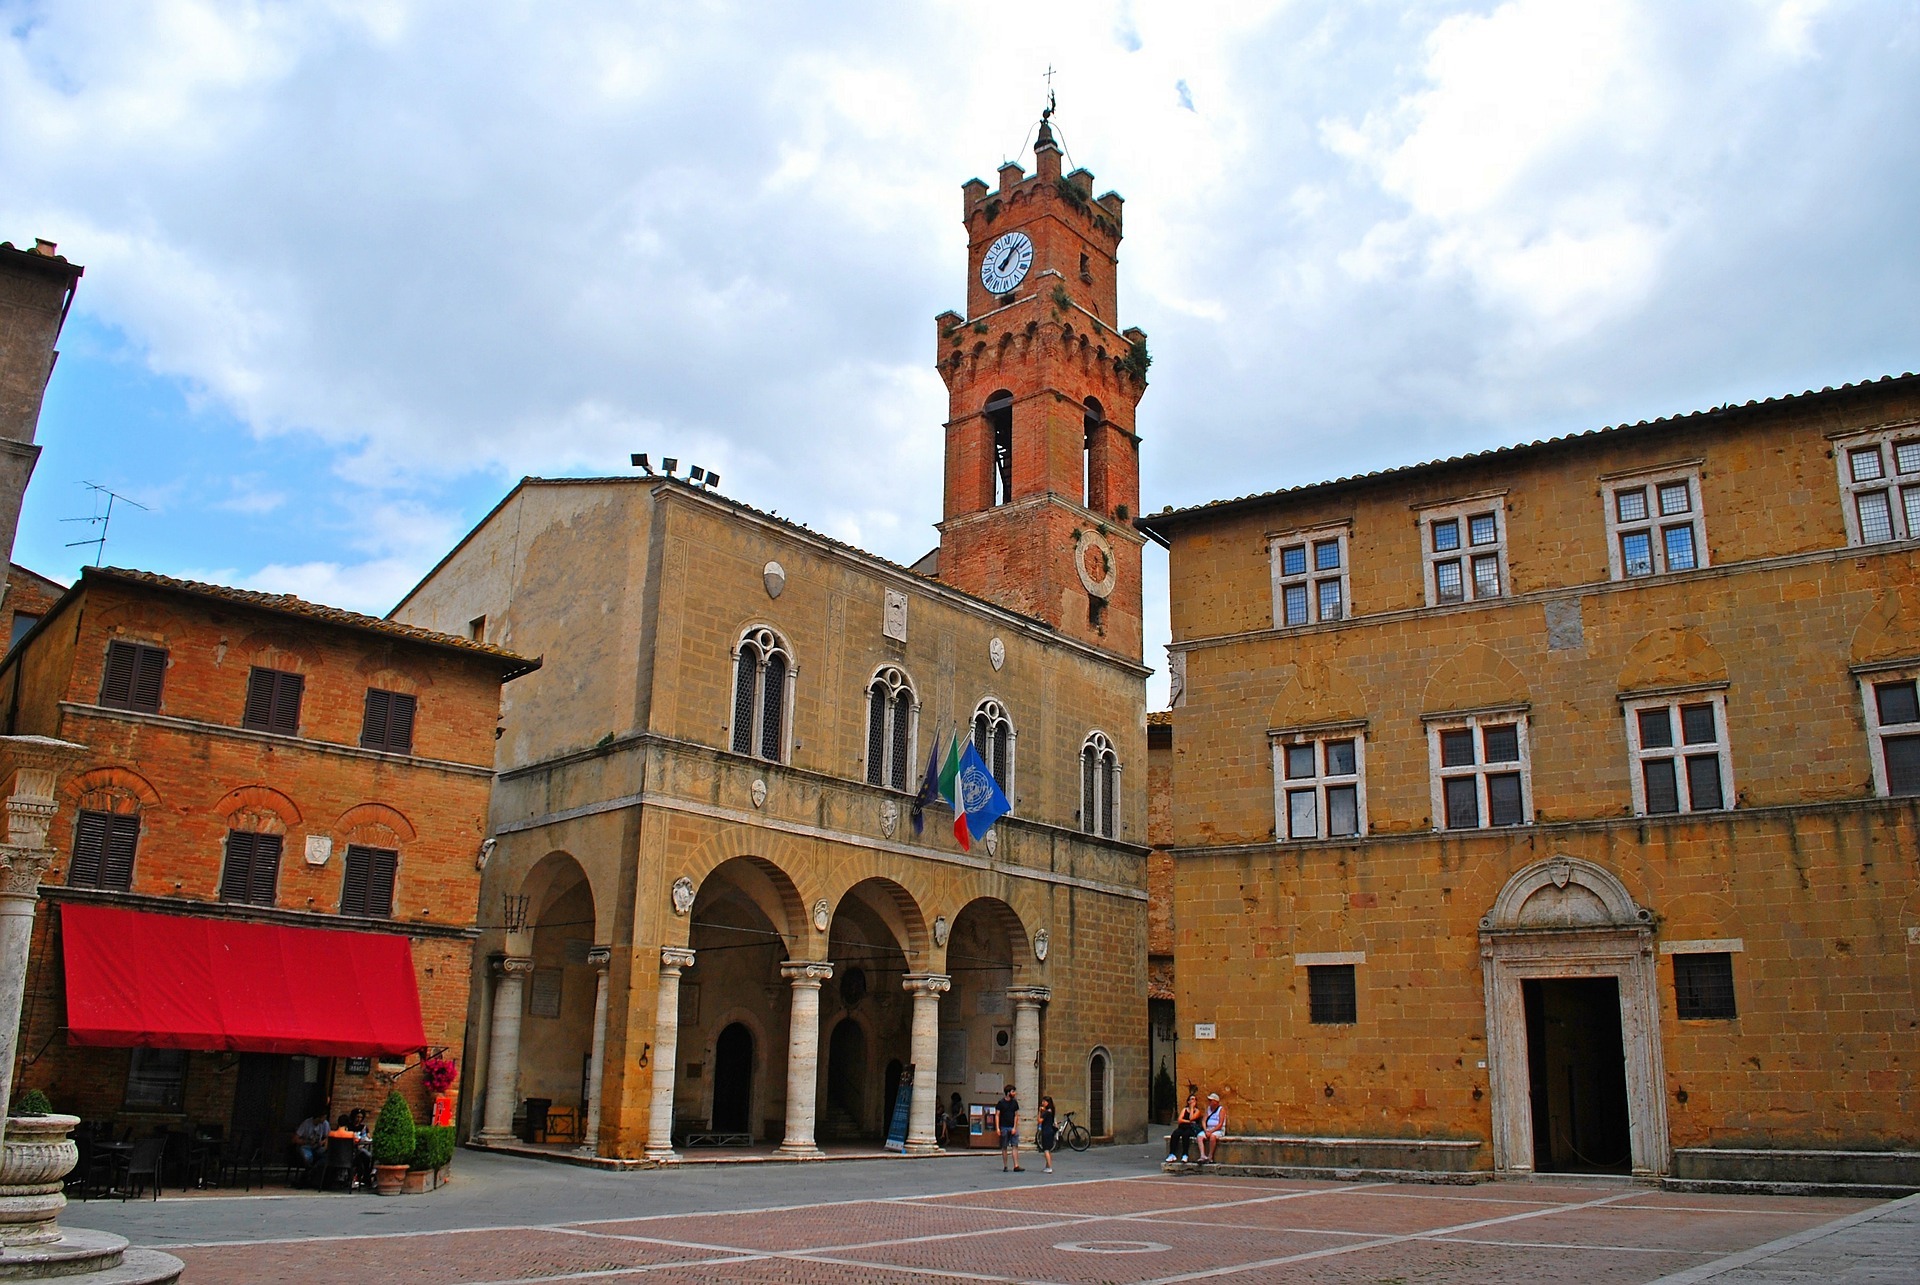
(310,1141)
(1213,1127)
(1185,1129)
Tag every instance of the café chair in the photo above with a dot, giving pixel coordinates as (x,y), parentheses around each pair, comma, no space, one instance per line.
(340,1153)
(144,1166)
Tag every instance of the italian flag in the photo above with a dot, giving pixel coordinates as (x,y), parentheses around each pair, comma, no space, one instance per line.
(950,791)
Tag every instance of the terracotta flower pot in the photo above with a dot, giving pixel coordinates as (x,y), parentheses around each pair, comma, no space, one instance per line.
(389,1180)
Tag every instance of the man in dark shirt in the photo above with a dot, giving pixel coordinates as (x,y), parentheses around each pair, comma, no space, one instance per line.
(1009,1109)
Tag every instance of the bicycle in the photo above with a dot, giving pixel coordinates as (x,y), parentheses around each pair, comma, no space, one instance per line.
(1074,1135)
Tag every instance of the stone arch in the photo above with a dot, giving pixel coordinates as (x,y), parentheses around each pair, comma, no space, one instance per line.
(552,877)
(394,673)
(374,825)
(1890,628)
(1003,916)
(766,886)
(274,648)
(1565,892)
(896,908)
(143,621)
(258,808)
(1473,677)
(1672,657)
(1317,692)
(114,789)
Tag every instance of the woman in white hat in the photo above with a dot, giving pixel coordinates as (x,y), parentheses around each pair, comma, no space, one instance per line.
(1213,1127)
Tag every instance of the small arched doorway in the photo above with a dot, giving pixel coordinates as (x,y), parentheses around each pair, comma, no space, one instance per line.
(846,1115)
(733,1080)
(1099,1085)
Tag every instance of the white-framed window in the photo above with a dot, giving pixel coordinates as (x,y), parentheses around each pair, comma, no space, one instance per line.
(1310,581)
(763,677)
(1480,764)
(1464,544)
(994,737)
(1320,782)
(892,716)
(1655,524)
(1099,786)
(1891,694)
(1677,752)
(1880,484)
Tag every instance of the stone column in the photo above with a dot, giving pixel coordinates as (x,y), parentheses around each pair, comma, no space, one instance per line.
(803,1053)
(1027,1003)
(600,957)
(926,989)
(666,1053)
(503,1048)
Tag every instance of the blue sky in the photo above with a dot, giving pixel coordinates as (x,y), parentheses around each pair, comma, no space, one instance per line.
(353,266)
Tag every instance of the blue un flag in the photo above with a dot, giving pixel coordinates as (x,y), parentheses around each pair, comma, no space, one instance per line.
(980,794)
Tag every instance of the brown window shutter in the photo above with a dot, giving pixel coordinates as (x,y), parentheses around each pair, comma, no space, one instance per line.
(380,882)
(116,688)
(259,712)
(286,703)
(236,873)
(89,849)
(373,728)
(265,877)
(149,671)
(400,723)
(123,837)
(353,893)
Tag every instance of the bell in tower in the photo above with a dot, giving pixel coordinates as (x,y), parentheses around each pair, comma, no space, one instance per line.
(1042,462)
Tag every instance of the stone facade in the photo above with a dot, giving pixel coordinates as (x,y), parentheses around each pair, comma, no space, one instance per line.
(751,881)
(191,772)
(1771,623)
(36,289)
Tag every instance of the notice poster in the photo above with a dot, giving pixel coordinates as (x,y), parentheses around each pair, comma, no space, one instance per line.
(902,1106)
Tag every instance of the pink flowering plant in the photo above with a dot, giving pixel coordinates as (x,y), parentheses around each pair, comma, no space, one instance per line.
(439,1073)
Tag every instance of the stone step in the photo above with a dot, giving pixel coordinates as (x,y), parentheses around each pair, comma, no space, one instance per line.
(89,1258)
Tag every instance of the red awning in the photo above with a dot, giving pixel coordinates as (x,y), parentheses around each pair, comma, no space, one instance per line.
(176,982)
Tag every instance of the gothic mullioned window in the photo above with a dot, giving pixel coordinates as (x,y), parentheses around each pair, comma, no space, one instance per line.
(1099,786)
(762,682)
(890,728)
(993,737)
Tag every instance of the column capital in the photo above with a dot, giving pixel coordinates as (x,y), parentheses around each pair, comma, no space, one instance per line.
(926,983)
(673,959)
(512,965)
(600,957)
(1029,996)
(806,972)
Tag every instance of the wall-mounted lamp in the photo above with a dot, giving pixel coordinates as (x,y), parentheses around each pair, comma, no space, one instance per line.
(513,915)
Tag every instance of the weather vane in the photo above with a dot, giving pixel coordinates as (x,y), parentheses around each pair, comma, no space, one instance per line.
(1050,100)
(103,517)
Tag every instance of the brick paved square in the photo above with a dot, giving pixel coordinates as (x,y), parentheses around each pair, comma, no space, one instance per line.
(856,1222)
(446,1259)
(1368,1213)
(1645,1228)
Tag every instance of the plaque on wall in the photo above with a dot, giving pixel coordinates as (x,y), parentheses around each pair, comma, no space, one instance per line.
(1003,1044)
(544,994)
(359,1066)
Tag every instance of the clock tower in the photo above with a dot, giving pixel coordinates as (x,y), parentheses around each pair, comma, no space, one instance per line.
(1043,466)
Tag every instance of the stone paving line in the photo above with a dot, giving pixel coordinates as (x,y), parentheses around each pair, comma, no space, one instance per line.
(671,1247)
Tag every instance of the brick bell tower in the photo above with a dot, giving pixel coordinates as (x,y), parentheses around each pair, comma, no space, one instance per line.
(1043,466)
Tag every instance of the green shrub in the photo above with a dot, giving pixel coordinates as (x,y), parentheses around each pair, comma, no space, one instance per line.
(32,1102)
(393,1132)
(432,1146)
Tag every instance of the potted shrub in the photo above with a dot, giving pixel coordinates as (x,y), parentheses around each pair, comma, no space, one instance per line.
(37,1155)
(432,1158)
(393,1143)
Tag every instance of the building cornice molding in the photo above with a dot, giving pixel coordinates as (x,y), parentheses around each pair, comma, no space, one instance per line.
(172,722)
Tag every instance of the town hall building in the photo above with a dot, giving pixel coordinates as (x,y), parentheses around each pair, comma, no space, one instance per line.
(710,911)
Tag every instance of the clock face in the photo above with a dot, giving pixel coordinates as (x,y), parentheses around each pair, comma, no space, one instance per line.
(1006,262)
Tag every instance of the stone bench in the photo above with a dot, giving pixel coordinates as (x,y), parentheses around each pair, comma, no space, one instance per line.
(1306,1156)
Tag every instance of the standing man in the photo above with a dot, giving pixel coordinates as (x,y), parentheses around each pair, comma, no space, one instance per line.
(1009,1109)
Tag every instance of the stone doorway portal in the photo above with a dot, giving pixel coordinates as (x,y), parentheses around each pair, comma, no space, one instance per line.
(1576,1075)
(733,1080)
(846,1116)
(1570,919)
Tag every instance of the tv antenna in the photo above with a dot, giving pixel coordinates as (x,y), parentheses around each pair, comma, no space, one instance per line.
(101,515)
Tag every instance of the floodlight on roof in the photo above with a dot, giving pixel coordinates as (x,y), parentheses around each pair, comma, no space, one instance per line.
(669,463)
(696,475)
(640,461)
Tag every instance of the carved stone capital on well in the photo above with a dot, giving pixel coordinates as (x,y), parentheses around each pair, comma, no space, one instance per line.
(599,958)
(21,869)
(1029,996)
(926,983)
(512,965)
(31,767)
(673,959)
(806,972)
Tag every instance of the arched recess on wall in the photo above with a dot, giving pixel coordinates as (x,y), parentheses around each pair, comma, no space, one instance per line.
(1473,677)
(258,808)
(116,788)
(1672,657)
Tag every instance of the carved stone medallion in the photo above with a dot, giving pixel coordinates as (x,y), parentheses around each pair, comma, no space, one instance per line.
(997,654)
(889,818)
(822,915)
(682,895)
(759,792)
(1093,558)
(774,576)
(1041,944)
(992,840)
(940,929)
